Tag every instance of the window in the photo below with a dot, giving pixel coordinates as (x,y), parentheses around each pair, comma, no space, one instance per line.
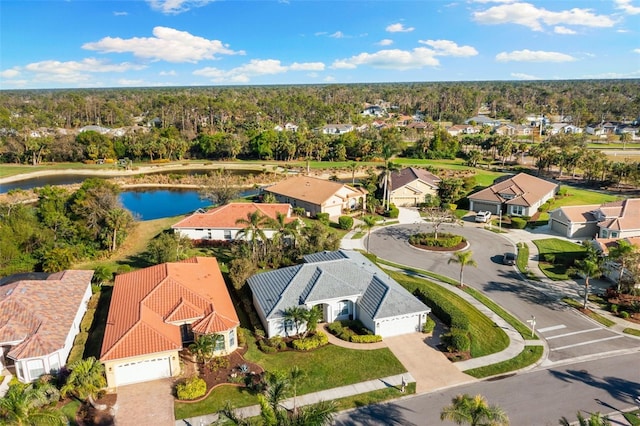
(186,333)
(19,371)
(232,338)
(517,210)
(54,363)
(36,368)
(227,234)
(614,235)
(219,343)
(343,308)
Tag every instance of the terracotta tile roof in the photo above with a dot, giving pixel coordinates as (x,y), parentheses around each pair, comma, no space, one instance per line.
(580,214)
(313,190)
(525,189)
(40,313)
(226,216)
(402,177)
(146,302)
(621,215)
(607,244)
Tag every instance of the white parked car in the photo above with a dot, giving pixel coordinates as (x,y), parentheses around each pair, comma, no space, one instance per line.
(483,216)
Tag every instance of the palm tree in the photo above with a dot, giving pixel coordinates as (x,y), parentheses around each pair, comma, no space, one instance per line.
(463,258)
(622,252)
(26,405)
(253,228)
(295,377)
(474,411)
(203,348)
(284,229)
(368,222)
(86,379)
(353,166)
(312,317)
(590,268)
(297,315)
(117,219)
(596,419)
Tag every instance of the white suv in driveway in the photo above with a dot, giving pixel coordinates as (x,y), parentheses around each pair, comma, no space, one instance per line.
(483,216)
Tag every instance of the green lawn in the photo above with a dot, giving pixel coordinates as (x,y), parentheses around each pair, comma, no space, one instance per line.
(325,368)
(486,337)
(632,331)
(528,356)
(564,254)
(571,196)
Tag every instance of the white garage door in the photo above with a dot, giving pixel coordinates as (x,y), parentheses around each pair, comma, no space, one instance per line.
(143,371)
(397,326)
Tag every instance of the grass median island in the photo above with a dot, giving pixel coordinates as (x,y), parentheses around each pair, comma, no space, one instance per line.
(486,337)
(529,356)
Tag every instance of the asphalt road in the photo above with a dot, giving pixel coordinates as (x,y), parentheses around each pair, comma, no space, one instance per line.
(569,335)
(535,398)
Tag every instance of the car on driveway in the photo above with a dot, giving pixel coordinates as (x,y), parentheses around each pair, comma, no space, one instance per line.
(483,216)
(509,259)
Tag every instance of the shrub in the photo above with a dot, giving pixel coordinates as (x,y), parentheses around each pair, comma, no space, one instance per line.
(191,389)
(429,325)
(76,354)
(393,212)
(443,309)
(81,338)
(93,301)
(323,218)
(346,334)
(277,342)
(518,223)
(444,239)
(457,340)
(614,308)
(311,342)
(87,320)
(259,333)
(345,222)
(264,347)
(624,315)
(242,337)
(335,328)
(367,338)
(299,211)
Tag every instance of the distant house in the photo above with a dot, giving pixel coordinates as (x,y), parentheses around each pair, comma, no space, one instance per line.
(337,129)
(483,120)
(410,186)
(615,220)
(462,129)
(602,129)
(39,320)
(374,110)
(156,311)
(344,285)
(518,195)
(318,195)
(220,223)
(289,127)
(556,128)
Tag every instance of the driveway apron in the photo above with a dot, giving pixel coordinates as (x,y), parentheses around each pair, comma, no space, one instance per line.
(429,367)
(148,403)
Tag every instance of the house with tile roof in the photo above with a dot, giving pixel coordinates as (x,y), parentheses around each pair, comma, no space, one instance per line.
(410,186)
(155,312)
(518,195)
(574,221)
(316,195)
(220,223)
(39,320)
(345,285)
(611,268)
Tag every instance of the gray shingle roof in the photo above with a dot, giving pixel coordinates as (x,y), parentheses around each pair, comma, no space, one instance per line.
(331,275)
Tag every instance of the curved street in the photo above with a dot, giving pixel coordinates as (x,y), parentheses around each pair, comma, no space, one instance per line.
(569,335)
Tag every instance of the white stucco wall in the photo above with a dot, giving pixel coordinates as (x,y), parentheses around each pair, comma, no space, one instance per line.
(216,234)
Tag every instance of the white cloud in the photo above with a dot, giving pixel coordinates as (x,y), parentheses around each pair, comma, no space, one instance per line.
(636,50)
(533,56)
(10,73)
(532,17)
(623,31)
(120,13)
(174,7)
(493,1)
(522,76)
(15,83)
(385,42)
(627,7)
(126,82)
(337,34)
(563,30)
(329,79)
(167,44)
(449,48)
(91,65)
(391,59)
(255,68)
(609,75)
(171,73)
(399,28)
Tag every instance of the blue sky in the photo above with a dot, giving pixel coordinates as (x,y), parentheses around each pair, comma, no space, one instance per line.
(88,43)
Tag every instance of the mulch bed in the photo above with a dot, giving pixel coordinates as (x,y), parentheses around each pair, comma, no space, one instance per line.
(625,302)
(88,415)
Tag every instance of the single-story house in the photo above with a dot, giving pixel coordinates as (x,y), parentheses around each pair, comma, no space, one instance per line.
(410,186)
(156,311)
(39,320)
(344,285)
(518,195)
(219,224)
(462,129)
(318,195)
(574,221)
(619,219)
(611,268)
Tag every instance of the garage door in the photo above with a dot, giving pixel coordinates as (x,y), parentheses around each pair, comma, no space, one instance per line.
(398,325)
(143,371)
(559,227)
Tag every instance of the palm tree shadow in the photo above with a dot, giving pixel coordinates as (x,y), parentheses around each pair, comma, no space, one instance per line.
(376,414)
(621,390)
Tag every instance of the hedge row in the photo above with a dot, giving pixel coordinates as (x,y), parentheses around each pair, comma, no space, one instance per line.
(444,240)
(442,308)
(311,342)
(353,331)
(366,338)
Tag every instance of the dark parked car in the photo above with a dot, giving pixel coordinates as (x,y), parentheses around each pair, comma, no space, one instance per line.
(509,259)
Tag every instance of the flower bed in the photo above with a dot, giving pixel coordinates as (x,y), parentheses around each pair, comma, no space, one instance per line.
(444,242)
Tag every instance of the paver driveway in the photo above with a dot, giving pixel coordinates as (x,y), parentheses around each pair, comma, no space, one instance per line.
(428,366)
(148,403)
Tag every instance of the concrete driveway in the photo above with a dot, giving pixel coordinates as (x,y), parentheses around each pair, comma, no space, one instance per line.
(148,403)
(428,366)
